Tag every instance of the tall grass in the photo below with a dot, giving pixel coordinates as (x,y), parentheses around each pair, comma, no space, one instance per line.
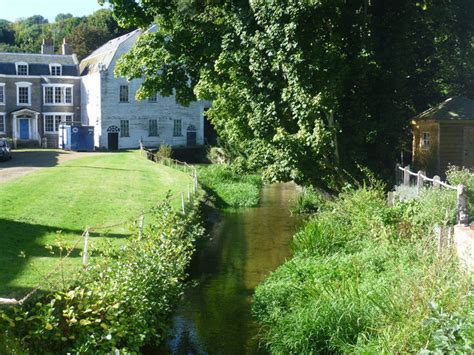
(229,188)
(362,279)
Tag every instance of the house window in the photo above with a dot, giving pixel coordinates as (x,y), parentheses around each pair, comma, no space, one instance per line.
(124,128)
(153,128)
(52,122)
(123,93)
(2,123)
(425,142)
(55,69)
(2,94)
(177,128)
(23,94)
(57,94)
(21,68)
(152,98)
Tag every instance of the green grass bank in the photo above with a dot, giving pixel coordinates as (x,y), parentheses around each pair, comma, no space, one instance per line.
(228,188)
(59,202)
(366,278)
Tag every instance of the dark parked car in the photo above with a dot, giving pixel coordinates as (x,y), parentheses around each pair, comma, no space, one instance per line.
(5,152)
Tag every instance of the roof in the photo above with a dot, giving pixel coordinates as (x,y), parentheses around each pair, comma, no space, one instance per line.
(38,64)
(36,58)
(103,56)
(454,108)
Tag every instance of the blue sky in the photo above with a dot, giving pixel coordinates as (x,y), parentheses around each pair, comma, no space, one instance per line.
(13,9)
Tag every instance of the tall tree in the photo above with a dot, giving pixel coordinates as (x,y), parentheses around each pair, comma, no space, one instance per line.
(305,89)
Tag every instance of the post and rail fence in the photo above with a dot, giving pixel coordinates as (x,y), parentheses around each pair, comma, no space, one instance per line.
(404,176)
(140,219)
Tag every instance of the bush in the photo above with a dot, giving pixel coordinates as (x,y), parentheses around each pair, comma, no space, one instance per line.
(230,188)
(164,152)
(122,302)
(308,201)
(362,278)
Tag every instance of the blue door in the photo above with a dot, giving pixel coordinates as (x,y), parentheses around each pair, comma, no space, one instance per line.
(24,129)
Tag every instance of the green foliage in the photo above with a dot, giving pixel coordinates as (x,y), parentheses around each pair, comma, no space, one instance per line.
(231,189)
(304,90)
(83,33)
(456,176)
(362,278)
(123,300)
(164,152)
(308,201)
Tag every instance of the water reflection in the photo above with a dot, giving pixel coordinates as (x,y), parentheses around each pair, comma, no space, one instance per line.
(214,317)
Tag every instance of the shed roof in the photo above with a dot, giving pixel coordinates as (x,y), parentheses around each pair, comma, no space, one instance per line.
(454,108)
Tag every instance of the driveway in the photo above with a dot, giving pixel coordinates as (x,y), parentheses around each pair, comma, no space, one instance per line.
(30,160)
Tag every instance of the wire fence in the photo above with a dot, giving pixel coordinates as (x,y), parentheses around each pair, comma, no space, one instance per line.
(184,197)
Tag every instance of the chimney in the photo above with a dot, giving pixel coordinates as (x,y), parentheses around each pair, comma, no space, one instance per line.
(67,50)
(47,47)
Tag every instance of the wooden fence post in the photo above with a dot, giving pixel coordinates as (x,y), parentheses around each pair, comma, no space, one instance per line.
(419,181)
(463,216)
(189,193)
(406,176)
(439,238)
(85,254)
(140,226)
(436,182)
(182,202)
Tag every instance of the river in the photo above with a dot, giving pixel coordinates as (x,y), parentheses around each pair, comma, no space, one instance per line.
(214,316)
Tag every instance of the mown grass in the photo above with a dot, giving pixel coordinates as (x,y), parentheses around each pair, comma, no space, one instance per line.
(230,188)
(57,203)
(364,279)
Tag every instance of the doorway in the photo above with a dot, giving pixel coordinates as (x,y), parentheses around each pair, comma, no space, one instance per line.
(24,128)
(191,134)
(112,138)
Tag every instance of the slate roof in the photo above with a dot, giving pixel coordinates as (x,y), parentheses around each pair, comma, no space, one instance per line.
(454,108)
(38,63)
(102,57)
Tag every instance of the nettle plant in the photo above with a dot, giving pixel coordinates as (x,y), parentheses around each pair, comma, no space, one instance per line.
(122,302)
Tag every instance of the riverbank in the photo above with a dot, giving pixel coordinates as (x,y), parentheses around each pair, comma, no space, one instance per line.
(364,278)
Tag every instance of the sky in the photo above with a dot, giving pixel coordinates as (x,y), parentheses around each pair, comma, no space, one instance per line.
(13,9)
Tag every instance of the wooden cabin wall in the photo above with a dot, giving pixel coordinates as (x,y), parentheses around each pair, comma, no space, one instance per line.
(451,148)
(426,159)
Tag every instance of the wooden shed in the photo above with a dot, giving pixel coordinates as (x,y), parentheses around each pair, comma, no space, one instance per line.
(444,135)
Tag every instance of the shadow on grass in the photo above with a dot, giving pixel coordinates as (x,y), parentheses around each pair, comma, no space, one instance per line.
(19,238)
(100,168)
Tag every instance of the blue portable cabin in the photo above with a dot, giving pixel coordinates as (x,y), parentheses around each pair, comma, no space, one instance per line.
(77,138)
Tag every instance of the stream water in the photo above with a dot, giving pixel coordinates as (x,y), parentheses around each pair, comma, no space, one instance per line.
(214,316)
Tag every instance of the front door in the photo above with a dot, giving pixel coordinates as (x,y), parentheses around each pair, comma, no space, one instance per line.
(191,138)
(24,128)
(112,141)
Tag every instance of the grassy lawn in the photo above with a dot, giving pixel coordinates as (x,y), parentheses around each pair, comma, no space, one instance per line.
(98,190)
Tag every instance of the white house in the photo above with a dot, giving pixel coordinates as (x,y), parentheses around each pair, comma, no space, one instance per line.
(119,120)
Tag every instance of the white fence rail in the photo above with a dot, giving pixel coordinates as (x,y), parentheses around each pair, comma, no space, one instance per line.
(404,176)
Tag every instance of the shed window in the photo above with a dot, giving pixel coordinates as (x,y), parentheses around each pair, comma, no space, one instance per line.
(425,142)
(2,123)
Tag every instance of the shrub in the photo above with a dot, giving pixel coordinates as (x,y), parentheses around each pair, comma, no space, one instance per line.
(362,278)
(308,201)
(123,301)
(230,188)
(164,152)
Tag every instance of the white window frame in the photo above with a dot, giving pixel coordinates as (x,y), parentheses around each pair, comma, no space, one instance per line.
(63,95)
(2,88)
(156,133)
(3,117)
(55,125)
(120,93)
(425,140)
(174,127)
(55,65)
(17,64)
(123,131)
(19,85)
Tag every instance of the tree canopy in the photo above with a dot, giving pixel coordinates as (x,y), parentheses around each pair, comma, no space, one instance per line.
(307,90)
(84,33)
